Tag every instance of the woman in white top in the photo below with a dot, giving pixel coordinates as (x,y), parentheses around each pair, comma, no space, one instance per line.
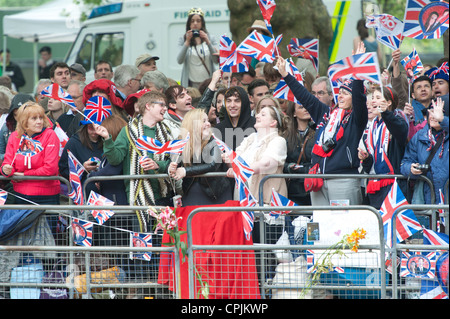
(198,51)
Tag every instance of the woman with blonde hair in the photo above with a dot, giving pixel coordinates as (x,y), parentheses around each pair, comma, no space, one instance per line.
(33,150)
(200,155)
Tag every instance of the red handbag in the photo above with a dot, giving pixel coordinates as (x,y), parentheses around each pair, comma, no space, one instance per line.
(312,183)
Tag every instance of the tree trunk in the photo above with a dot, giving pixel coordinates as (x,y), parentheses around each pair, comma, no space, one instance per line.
(292,19)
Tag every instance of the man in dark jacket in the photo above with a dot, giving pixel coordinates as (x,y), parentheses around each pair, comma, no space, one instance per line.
(238,123)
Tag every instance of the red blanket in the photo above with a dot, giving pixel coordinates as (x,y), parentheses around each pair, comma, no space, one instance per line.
(229,274)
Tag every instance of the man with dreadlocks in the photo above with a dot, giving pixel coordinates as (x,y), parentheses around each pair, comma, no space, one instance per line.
(142,192)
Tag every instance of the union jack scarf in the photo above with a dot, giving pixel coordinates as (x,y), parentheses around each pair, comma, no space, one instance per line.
(377,144)
(432,139)
(141,191)
(333,128)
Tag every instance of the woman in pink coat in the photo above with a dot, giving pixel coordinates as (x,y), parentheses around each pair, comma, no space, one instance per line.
(33,150)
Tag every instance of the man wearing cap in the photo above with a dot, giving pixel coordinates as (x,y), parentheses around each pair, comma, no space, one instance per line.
(145,62)
(77,72)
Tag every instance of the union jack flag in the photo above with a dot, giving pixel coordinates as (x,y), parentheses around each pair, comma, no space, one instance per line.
(431,237)
(101,216)
(362,66)
(418,264)
(246,199)
(306,49)
(3,197)
(282,91)
(82,232)
(335,87)
(406,223)
(145,143)
(267,9)
(230,60)
(279,200)
(437,288)
(56,92)
(62,136)
(389,29)
(141,240)
(75,172)
(223,147)
(258,46)
(242,171)
(412,64)
(97,110)
(425,19)
(431,289)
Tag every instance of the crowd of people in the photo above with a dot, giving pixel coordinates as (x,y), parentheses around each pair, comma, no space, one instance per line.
(369,129)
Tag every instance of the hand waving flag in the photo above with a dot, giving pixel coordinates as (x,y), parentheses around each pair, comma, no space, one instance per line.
(282,91)
(306,49)
(363,66)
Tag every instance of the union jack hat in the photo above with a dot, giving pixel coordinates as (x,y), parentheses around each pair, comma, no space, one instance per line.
(97,110)
(439,72)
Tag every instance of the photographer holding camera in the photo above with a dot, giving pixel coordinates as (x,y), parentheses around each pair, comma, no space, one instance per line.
(199,52)
(427,154)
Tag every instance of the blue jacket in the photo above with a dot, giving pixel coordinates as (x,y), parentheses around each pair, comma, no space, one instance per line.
(416,152)
(344,159)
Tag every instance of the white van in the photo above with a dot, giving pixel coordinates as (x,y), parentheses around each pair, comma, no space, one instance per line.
(120,32)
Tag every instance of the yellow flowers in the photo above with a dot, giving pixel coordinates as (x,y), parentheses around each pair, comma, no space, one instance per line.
(324,264)
(352,240)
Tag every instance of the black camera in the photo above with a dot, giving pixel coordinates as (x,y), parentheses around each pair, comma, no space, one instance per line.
(195,33)
(328,145)
(423,167)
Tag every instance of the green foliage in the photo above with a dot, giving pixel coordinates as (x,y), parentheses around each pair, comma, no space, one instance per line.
(21,3)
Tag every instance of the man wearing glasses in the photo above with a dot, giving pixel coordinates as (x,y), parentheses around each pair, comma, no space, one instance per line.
(122,151)
(70,120)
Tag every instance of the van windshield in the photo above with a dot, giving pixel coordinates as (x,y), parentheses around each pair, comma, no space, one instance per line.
(101,47)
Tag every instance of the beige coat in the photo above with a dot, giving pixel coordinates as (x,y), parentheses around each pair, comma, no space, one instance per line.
(253,149)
